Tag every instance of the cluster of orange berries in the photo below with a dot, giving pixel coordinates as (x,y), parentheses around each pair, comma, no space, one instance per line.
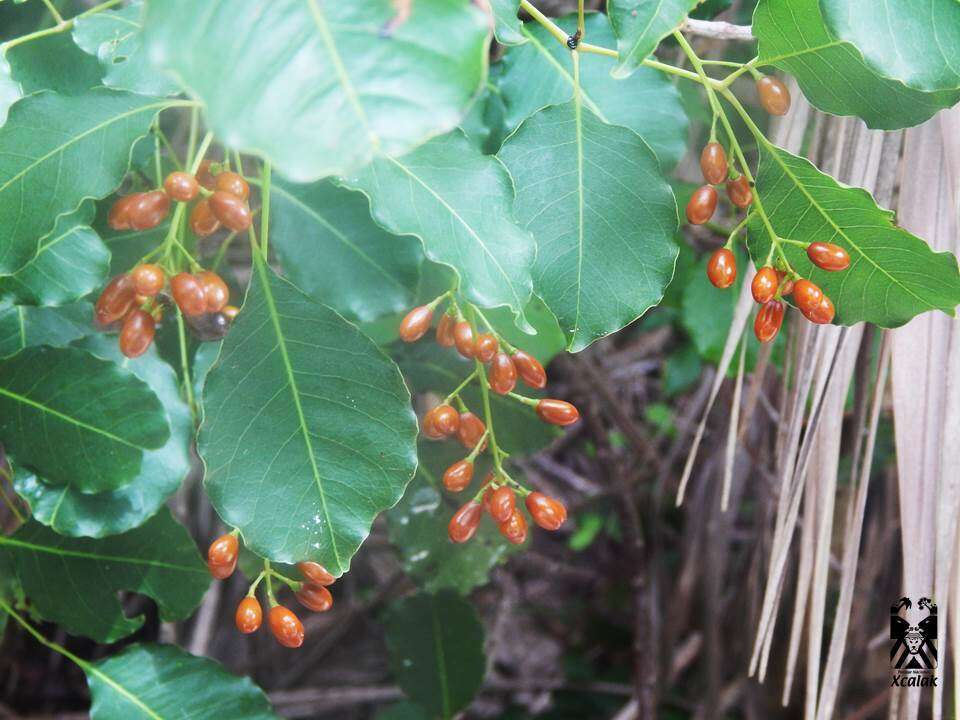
(224,202)
(286,627)
(498,491)
(135,301)
(770,285)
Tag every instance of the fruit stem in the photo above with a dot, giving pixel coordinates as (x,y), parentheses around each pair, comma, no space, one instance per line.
(492,331)
(701,73)
(460,387)
(185,367)
(294,585)
(737,230)
(437,300)
(531,402)
(476,448)
(487,413)
(800,243)
(580,21)
(269,573)
(252,591)
(747,67)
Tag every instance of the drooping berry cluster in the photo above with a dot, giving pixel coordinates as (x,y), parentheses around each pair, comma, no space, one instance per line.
(504,365)
(286,627)
(134,301)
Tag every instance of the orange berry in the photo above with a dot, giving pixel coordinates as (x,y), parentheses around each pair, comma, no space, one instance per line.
(485,347)
(530,369)
(204,176)
(149,210)
(149,279)
(713,163)
(702,204)
(231,182)
(828,256)
(249,615)
(471,430)
(463,338)
(503,374)
(445,331)
(137,333)
(823,313)
(202,220)
(115,301)
(774,96)
(807,296)
(188,293)
(764,285)
(722,268)
(215,290)
(222,556)
(514,528)
(316,573)
(416,323)
(314,597)
(502,503)
(286,627)
(119,216)
(768,321)
(181,186)
(557,412)
(739,192)
(458,476)
(465,522)
(546,511)
(231,210)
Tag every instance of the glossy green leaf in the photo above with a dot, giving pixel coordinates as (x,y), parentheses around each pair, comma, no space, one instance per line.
(147,682)
(57,150)
(436,649)
(541,73)
(832,73)
(307,431)
(77,419)
(893,275)
(53,63)
(321,226)
(506,21)
(640,25)
(68,511)
(603,216)
(916,43)
(115,38)
(431,368)
(345,83)
(418,526)
(401,711)
(24,326)
(158,559)
(459,203)
(71,263)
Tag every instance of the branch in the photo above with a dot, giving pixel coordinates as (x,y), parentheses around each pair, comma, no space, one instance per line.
(717,29)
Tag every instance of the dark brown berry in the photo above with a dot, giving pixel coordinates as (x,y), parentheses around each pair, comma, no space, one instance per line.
(208,327)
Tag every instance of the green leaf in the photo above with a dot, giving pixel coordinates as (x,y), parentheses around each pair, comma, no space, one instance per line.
(53,63)
(418,526)
(162,681)
(893,275)
(603,216)
(75,581)
(507,23)
(307,431)
(832,73)
(459,203)
(68,511)
(115,38)
(57,150)
(71,263)
(640,25)
(915,43)
(404,710)
(22,326)
(76,419)
(431,368)
(647,102)
(344,86)
(321,226)
(436,649)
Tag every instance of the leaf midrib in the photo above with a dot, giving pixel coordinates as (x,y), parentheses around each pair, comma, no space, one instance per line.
(295,391)
(441,659)
(77,138)
(465,225)
(17,397)
(11,541)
